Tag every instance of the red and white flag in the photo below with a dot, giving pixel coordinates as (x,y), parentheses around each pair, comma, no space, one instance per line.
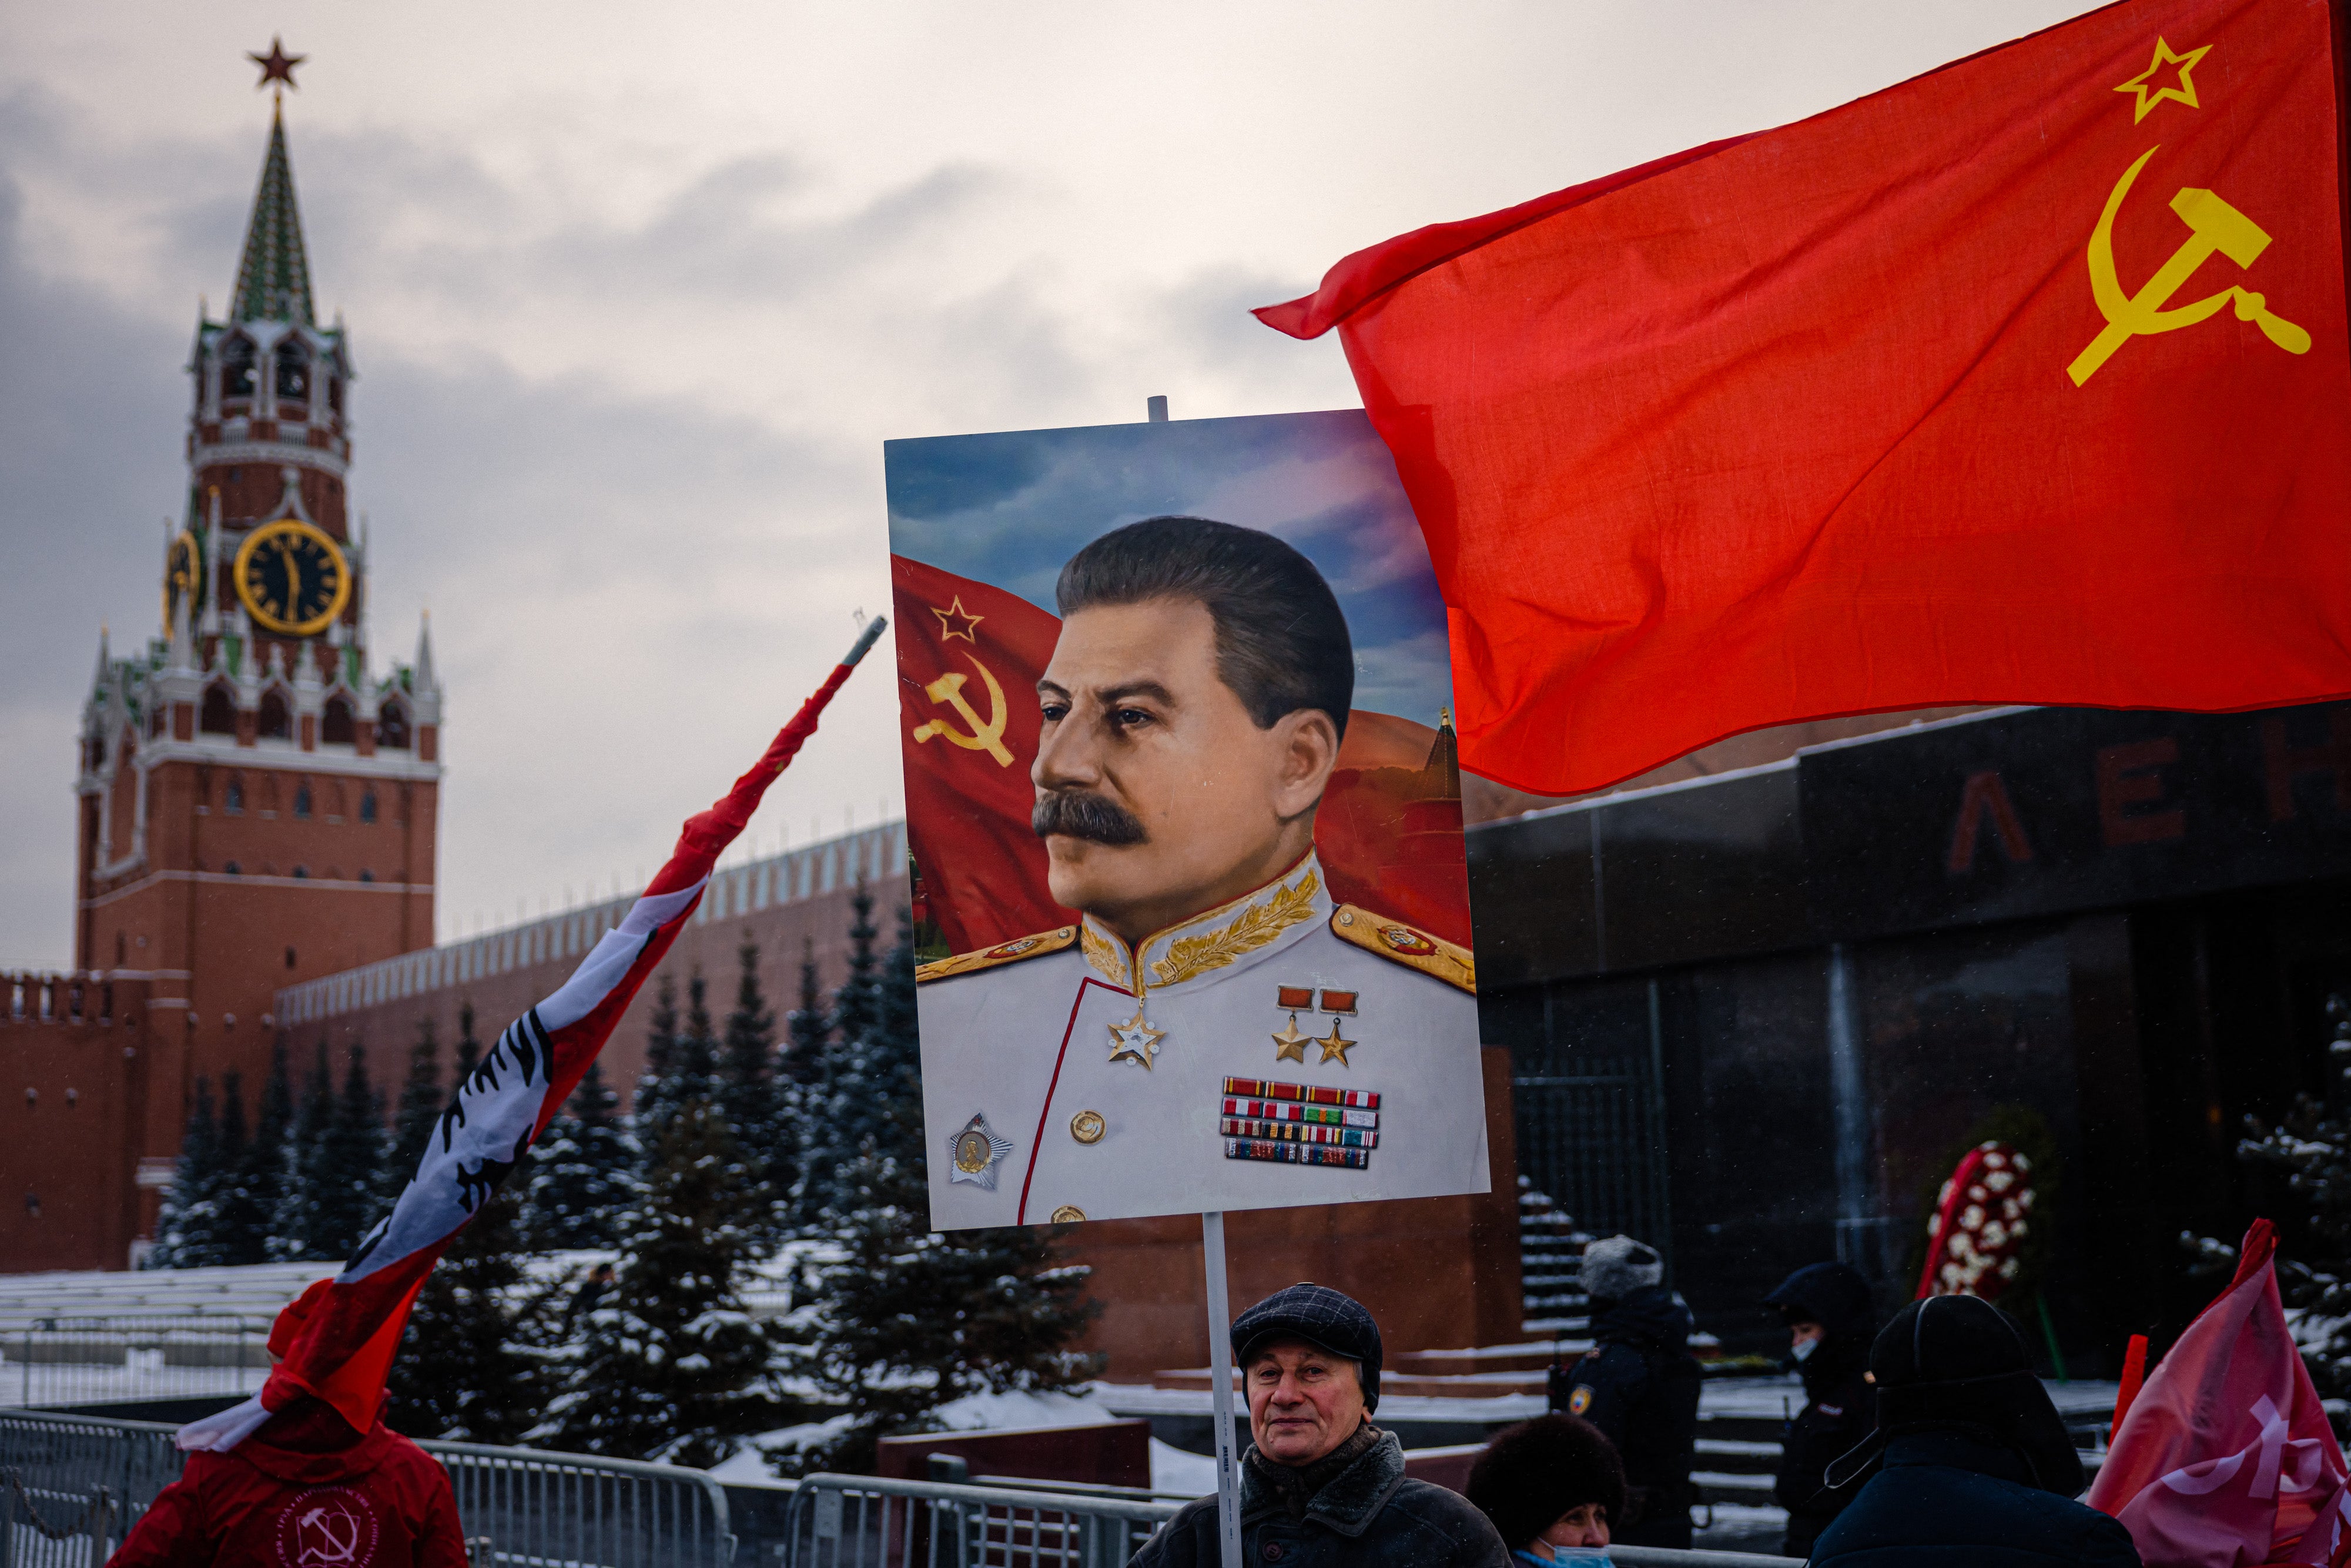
(2226,1457)
(339,1338)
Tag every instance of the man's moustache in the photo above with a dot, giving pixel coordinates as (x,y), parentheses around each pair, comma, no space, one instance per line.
(1074,815)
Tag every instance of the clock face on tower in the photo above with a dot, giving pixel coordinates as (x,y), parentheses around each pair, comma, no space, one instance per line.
(183,575)
(292,577)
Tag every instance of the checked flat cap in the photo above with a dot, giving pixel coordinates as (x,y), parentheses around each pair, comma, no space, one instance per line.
(1327,1318)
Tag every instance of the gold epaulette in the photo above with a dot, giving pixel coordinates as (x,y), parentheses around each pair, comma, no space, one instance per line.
(1010,952)
(1406,944)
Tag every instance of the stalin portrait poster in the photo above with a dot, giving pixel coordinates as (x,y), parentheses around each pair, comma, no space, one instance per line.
(1191,913)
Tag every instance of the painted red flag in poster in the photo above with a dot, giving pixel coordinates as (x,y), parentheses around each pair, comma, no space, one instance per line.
(2226,1454)
(969,657)
(2025,381)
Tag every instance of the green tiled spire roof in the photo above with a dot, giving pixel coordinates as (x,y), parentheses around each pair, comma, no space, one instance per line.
(273,281)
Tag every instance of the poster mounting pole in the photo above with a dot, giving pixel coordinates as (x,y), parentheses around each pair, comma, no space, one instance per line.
(1220,1389)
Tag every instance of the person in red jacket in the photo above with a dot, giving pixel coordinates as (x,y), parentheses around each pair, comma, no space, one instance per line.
(304,1491)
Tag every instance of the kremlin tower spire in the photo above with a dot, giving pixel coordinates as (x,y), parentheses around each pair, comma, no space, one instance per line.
(273,280)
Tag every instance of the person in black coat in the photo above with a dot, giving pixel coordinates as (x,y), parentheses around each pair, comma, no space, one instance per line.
(1321,1485)
(1639,1385)
(1974,1464)
(1827,1307)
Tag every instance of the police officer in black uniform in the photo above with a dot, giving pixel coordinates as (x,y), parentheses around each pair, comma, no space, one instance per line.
(1827,1309)
(1639,1384)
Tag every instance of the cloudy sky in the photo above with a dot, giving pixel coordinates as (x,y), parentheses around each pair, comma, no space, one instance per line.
(637,293)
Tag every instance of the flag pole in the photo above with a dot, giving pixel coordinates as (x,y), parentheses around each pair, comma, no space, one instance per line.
(1220,1388)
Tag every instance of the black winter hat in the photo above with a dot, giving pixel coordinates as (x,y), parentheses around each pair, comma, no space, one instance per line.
(1534,1472)
(1832,1296)
(1958,1364)
(1327,1318)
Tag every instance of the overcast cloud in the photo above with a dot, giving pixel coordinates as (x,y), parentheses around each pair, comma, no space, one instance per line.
(637,293)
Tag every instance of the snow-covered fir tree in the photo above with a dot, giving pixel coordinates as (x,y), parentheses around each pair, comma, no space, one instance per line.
(349,1165)
(657,1085)
(2312,1147)
(240,1225)
(670,1365)
(474,1363)
(834,1114)
(582,1172)
(750,1096)
(297,1230)
(418,1113)
(903,1319)
(264,1156)
(185,1229)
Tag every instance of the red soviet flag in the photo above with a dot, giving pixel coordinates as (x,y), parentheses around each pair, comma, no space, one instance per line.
(2226,1457)
(968,660)
(2023,381)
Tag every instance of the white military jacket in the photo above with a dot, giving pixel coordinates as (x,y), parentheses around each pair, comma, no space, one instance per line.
(1276,1051)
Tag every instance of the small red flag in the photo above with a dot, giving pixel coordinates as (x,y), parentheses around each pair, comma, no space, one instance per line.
(2025,381)
(2225,1455)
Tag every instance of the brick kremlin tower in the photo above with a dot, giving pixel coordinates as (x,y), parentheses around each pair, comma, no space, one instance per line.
(257,797)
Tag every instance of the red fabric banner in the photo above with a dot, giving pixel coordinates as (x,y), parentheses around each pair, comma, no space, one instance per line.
(2024,380)
(2225,1455)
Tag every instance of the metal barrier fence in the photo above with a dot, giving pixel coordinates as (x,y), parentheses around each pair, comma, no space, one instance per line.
(92,1480)
(72,1487)
(102,1360)
(865,1521)
(534,1506)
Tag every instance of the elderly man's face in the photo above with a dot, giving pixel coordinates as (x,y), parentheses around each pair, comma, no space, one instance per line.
(1157,795)
(1303,1401)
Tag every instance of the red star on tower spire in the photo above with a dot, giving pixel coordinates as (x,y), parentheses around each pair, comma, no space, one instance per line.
(277,65)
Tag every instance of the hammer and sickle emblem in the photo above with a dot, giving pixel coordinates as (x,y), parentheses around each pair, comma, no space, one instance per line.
(2214,225)
(986,735)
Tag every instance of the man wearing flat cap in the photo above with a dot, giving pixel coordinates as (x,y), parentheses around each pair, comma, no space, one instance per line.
(1319,1484)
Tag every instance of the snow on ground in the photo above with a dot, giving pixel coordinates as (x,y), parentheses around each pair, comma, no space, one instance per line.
(1180,1471)
(1003,1412)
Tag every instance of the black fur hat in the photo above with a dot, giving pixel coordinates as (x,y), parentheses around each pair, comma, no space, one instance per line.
(1534,1472)
(1959,1364)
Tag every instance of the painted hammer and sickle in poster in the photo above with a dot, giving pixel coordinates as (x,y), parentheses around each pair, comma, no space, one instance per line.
(2213,225)
(985,734)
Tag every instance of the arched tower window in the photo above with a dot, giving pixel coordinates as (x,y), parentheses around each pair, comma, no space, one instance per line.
(293,371)
(367,807)
(301,799)
(277,716)
(233,801)
(219,717)
(335,394)
(238,368)
(392,726)
(338,726)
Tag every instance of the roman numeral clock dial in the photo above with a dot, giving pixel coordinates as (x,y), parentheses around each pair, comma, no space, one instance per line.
(292,577)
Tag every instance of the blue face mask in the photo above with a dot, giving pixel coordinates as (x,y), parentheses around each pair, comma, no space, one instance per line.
(1566,1557)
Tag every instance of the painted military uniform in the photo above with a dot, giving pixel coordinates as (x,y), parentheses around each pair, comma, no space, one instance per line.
(1279,1049)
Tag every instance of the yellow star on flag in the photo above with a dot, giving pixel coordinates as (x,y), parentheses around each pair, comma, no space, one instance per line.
(954,612)
(2148,97)
(1289,1042)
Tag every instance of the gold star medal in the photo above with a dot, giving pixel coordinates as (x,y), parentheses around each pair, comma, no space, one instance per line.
(1289,1042)
(1336,1048)
(1135,1039)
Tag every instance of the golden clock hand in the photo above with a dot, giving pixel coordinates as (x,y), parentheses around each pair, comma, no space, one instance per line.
(293,580)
